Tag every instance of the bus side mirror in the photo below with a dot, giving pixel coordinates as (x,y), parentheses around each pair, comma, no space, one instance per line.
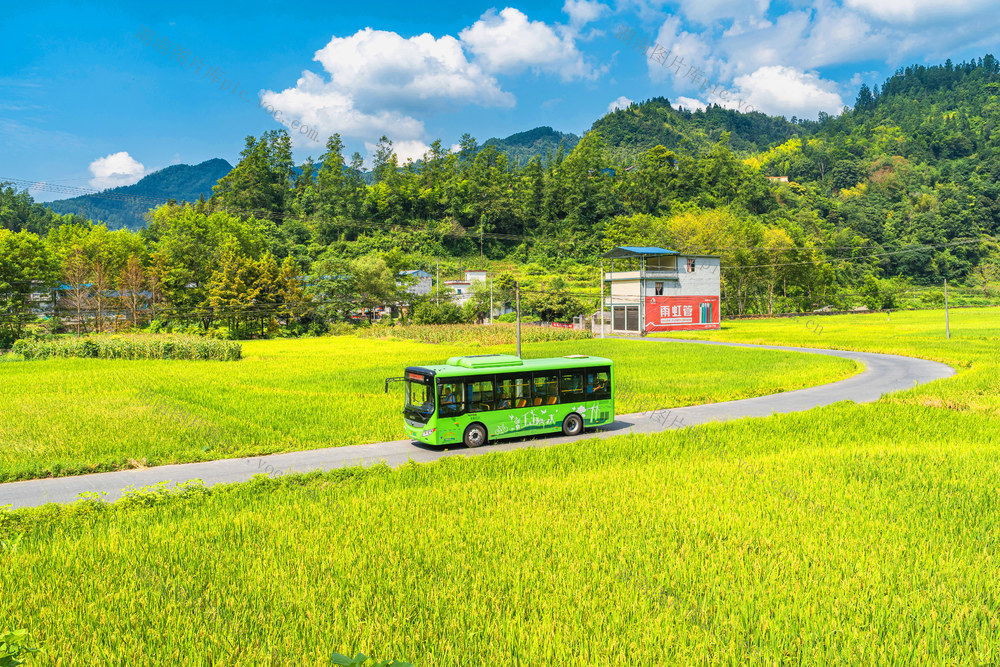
(388,380)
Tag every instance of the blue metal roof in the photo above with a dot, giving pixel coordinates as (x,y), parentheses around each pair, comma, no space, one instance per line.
(637,251)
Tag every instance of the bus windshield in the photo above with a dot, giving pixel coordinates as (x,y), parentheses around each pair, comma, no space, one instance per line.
(419,398)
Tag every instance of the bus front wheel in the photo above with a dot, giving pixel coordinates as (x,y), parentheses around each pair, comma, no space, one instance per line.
(475,435)
(573,424)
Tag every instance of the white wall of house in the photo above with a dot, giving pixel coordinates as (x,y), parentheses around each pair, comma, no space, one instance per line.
(703,281)
(474,275)
(422,287)
(462,289)
(624,289)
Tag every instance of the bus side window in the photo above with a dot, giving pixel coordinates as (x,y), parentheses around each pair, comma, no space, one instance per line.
(451,398)
(481,395)
(570,386)
(505,392)
(520,387)
(598,384)
(546,390)
(602,384)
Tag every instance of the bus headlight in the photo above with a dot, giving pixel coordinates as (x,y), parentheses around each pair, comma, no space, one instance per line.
(429,432)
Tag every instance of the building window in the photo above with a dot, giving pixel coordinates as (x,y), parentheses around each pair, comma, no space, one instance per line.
(658,287)
(690,266)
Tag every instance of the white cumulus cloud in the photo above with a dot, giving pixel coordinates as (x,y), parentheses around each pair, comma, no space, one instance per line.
(689,103)
(509,42)
(115,170)
(687,54)
(413,149)
(581,12)
(787,91)
(621,103)
(377,82)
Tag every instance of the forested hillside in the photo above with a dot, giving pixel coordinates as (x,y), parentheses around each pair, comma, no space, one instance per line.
(915,162)
(126,206)
(543,142)
(898,192)
(628,132)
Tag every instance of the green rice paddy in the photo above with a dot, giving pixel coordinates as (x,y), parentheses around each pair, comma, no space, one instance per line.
(844,535)
(67,416)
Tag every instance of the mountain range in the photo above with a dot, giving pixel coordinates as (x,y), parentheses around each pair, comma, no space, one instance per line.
(126,206)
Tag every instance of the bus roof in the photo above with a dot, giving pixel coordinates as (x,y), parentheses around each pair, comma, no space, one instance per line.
(488,364)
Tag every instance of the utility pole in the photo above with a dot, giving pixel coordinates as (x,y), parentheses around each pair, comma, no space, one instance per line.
(517,298)
(491,298)
(602,298)
(437,288)
(947,325)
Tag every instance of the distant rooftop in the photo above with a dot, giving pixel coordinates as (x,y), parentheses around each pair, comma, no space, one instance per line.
(637,251)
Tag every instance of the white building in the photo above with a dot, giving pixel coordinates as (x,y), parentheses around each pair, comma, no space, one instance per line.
(661,290)
(421,282)
(463,288)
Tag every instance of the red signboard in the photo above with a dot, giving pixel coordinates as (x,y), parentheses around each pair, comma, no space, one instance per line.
(673,313)
(563,325)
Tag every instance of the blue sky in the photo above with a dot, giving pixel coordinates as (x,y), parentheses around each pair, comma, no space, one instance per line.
(85,102)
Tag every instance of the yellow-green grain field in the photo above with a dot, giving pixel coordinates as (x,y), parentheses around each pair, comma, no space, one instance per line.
(66,416)
(845,535)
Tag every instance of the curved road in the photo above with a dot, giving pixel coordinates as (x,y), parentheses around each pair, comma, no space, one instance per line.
(884,373)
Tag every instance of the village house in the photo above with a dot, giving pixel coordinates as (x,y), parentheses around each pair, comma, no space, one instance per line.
(651,289)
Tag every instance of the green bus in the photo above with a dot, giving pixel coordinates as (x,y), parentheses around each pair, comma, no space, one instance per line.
(474,399)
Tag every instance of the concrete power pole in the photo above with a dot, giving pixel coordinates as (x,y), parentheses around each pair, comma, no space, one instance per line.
(602,298)
(491,298)
(517,298)
(947,325)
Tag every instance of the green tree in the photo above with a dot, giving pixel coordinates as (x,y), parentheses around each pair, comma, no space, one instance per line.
(329,287)
(26,267)
(331,182)
(191,245)
(260,184)
(553,304)
(233,290)
(373,283)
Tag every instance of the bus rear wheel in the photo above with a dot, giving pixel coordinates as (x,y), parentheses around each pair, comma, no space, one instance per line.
(475,435)
(573,424)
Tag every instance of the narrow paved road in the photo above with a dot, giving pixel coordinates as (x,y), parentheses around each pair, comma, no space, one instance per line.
(883,373)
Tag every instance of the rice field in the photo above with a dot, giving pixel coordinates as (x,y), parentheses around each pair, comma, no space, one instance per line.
(495,334)
(838,536)
(69,416)
(974,347)
(845,535)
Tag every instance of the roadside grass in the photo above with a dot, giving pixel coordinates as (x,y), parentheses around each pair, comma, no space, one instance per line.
(69,416)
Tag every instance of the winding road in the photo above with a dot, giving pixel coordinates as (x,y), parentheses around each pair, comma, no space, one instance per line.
(884,373)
